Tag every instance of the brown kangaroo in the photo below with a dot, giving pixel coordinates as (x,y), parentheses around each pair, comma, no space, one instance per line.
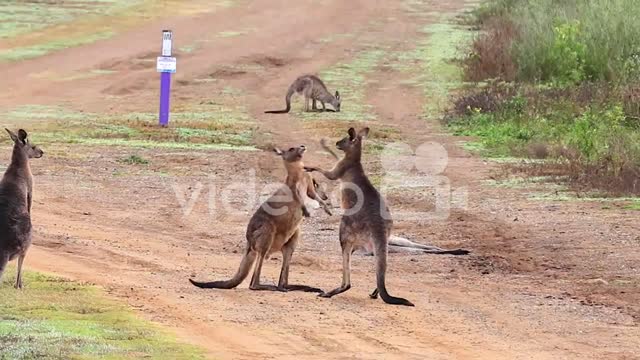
(311,87)
(16,190)
(275,227)
(366,219)
(399,244)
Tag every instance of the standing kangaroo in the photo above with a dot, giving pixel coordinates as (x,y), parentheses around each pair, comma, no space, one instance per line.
(275,227)
(311,87)
(399,244)
(366,221)
(15,203)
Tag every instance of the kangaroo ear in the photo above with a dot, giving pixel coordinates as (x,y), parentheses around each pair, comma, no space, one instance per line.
(13,136)
(337,95)
(352,133)
(364,132)
(22,135)
(278,151)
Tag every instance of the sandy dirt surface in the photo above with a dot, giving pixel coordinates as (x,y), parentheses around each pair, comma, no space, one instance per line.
(545,280)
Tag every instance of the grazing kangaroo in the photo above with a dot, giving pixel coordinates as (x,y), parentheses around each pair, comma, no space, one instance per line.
(275,227)
(366,218)
(311,87)
(15,203)
(398,244)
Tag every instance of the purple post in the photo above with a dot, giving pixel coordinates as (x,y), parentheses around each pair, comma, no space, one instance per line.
(165,66)
(165,91)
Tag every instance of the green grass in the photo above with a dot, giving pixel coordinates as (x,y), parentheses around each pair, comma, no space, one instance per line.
(432,64)
(54,318)
(28,52)
(35,28)
(547,182)
(206,126)
(19,17)
(574,96)
(635,205)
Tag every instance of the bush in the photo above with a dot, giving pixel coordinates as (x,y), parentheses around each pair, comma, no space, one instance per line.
(558,41)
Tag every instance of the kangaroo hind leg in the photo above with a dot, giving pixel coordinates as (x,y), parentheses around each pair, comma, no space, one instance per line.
(287,254)
(346,242)
(263,241)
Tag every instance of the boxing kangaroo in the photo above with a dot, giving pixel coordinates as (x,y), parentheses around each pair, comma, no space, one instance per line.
(275,227)
(366,219)
(312,88)
(16,189)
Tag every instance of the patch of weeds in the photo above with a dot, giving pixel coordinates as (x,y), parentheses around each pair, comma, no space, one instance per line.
(573,196)
(42,112)
(134,160)
(55,318)
(205,126)
(635,205)
(28,52)
(229,34)
(548,182)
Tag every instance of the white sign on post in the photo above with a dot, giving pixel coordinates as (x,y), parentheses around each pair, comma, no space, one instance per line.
(167,38)
(166,64)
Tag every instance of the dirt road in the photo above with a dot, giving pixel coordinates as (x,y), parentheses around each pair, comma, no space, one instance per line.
(546,280)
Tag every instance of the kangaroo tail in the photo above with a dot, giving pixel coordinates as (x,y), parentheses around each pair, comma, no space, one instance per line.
(243,271)
(381,270)
(290,93)
(428,249)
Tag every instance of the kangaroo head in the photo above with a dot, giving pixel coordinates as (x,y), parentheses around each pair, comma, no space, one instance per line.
(336,102)
(292,155)
(352,143)
(22,143)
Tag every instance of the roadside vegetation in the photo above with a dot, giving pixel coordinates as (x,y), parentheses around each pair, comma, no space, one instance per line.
(54,318)
(557,81)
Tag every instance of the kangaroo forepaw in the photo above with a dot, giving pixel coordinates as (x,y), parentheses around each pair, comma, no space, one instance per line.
(310,169)
(305,212)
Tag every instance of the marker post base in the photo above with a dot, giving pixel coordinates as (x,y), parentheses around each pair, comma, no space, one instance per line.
(165,91)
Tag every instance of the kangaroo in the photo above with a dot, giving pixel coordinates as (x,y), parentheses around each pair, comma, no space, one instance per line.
(275,227)
(366,218)
(399,244)
(16,190)
(311,87)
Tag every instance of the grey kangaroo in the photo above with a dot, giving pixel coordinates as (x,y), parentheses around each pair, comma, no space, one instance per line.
(275,227)
(366,218)
(16,189)
(312,88)
(399,244)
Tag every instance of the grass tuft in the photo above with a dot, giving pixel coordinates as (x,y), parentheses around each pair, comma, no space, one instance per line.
(55,318)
